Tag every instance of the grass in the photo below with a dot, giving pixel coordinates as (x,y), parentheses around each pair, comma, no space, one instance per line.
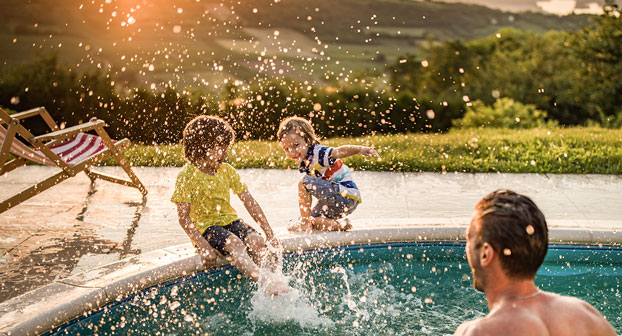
(577,150)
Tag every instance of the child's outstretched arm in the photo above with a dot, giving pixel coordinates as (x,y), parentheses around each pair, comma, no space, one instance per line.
(256,212)
(349,150)
(207,252)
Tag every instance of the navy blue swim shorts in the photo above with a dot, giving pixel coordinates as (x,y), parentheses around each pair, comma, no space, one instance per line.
(217,235)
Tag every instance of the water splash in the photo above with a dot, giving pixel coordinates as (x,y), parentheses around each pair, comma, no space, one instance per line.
(348,298)
(289,307)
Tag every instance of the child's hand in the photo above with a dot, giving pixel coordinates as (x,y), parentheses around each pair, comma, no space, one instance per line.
(369,152)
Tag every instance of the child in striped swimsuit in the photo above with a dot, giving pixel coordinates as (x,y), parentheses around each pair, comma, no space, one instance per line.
(326,178)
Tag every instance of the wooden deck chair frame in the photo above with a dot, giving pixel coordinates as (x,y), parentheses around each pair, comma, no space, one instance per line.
(43,142)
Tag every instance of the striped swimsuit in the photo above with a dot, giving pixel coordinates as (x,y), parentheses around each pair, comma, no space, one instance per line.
(319,163)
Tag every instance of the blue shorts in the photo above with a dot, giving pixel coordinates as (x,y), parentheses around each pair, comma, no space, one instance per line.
(217,235)
(330,203)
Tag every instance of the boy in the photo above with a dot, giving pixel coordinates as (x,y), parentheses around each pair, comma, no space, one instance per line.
(202,197)
(326,177)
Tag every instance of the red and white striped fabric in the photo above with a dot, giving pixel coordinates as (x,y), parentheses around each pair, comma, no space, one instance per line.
(78,148)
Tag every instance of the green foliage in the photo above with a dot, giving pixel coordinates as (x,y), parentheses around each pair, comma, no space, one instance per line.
(142,115)
(151,116)
(70,97)
(341,110)
(599,50)
(504,113)
(578,150)
(574,77)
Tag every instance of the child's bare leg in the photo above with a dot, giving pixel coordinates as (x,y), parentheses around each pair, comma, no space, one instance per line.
(240,259)
(304,204)
(261,254)
(328,224)
(256,246)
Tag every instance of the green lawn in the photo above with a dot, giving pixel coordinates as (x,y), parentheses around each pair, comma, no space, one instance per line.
(560,150)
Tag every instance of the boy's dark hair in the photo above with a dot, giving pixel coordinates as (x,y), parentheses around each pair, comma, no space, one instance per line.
(516,229)
(204,133)
(299,125)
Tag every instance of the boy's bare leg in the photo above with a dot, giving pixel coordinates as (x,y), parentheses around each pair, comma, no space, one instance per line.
(328,224)
(256,247)
(304,204)
(261,254)
(240,259)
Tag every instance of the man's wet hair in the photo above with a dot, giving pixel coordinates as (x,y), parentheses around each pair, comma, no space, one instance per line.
(516,229)
(205,133)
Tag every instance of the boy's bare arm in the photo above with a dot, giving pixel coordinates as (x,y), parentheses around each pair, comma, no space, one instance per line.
(208,253)
(256,212)
(349,150)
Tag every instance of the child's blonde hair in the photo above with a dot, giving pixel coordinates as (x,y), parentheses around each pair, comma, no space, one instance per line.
(300,126)
(204,133)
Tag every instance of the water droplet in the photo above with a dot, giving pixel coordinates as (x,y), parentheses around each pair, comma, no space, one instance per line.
(174,305)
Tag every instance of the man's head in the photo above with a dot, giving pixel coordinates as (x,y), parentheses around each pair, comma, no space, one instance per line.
(511,227)
(206,140)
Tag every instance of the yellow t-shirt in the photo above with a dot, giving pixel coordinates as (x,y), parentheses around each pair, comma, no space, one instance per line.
(208,195)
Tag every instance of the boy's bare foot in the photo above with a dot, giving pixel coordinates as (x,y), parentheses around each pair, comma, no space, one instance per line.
(344,224)
(330,224)
(278,288)
(299,225)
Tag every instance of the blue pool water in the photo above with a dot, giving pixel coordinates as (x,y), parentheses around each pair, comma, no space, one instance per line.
(405,288)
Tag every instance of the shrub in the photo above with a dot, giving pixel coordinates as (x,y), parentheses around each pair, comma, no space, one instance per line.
(504,113)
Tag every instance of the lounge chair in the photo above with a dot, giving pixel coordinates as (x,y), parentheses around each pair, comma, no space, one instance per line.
(70,149)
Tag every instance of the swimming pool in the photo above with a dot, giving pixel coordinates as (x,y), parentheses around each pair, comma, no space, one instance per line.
(398,288)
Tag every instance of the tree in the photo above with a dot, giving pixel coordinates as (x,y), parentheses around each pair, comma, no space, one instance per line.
(599,50)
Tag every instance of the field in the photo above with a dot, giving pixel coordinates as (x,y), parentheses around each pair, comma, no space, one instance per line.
(189,43)
(577,150)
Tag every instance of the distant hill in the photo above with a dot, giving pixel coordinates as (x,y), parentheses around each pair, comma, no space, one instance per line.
(205,42)
(526,5)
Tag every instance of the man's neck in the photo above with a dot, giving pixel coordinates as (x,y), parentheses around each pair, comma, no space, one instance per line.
(506,290)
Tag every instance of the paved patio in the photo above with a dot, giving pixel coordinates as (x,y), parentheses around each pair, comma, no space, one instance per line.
(70,228)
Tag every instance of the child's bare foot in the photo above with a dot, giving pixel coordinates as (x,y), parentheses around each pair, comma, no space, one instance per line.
(344,224)
(274,284)
(277,287)
(300,225)
(330,224)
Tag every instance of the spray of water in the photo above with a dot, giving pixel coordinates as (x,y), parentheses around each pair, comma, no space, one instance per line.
(289,306)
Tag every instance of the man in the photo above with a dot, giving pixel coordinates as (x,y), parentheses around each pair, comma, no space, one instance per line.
(507,240)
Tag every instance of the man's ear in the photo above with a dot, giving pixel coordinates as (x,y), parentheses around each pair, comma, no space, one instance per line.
(486,254)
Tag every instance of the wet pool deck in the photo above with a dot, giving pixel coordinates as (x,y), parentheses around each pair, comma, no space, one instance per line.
(68,229)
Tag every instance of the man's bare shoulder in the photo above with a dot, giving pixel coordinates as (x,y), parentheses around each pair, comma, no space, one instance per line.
(468,328)
(577,315)
(541,317)
(504,322)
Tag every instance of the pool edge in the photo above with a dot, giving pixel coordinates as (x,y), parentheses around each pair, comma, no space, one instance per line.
(49,306)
